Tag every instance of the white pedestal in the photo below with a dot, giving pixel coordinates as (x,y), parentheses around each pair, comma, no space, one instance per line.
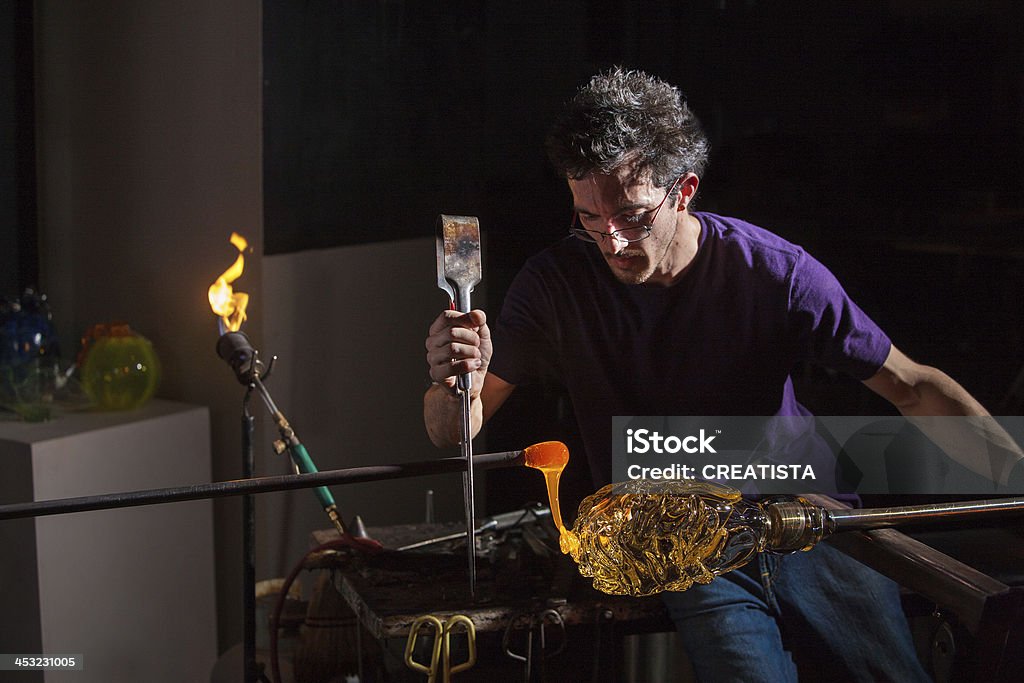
(132,589)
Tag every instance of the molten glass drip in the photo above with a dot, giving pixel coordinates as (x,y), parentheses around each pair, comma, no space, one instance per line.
(550,457)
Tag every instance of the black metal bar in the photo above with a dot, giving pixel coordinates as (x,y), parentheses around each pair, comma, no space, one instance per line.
(248,552)
(352,475)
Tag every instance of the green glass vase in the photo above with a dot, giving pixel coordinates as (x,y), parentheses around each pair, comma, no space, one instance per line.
(120,368)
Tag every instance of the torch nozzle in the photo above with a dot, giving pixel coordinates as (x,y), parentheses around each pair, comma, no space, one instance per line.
(237,350)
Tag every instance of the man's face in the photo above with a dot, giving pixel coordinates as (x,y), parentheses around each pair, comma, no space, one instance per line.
(617,201)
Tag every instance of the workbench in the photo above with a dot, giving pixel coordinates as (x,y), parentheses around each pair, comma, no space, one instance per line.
(382,596)
(974,612)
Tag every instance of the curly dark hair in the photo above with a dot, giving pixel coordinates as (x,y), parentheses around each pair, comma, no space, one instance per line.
(623,117)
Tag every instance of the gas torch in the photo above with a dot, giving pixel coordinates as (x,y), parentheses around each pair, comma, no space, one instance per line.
(236,349)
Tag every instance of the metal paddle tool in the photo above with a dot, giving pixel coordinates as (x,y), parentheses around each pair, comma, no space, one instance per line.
(458,272)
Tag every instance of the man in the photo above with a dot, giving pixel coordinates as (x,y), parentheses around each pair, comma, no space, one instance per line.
(650,308)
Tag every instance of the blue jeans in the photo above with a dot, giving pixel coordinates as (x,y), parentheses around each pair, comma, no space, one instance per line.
(816,615)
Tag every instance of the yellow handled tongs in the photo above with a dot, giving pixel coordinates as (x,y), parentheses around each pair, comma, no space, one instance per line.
(440,649)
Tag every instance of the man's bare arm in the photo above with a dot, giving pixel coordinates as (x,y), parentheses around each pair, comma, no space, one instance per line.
(442,409)
(927,397)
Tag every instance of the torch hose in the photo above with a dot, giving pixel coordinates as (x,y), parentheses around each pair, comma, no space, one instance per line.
(300,456)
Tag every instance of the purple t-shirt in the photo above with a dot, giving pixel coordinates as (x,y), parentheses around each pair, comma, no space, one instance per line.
(721,341)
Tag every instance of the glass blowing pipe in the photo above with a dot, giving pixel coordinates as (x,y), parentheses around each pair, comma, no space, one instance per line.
(797,524)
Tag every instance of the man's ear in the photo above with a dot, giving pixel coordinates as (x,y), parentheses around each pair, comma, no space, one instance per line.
(687,190)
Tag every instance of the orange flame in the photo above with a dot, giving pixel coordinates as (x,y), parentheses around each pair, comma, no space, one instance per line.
(225,302)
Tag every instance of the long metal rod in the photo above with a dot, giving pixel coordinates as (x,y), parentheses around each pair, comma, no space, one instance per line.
(878,518)
(352,475)
(251,671)
(468,487)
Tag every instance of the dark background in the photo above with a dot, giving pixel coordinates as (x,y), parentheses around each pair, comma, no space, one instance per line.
(19,251)
(885,136)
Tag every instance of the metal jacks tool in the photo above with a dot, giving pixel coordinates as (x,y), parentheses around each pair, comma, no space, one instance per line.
(458,272)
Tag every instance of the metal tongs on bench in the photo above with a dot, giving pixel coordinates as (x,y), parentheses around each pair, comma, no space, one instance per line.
(458,272)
